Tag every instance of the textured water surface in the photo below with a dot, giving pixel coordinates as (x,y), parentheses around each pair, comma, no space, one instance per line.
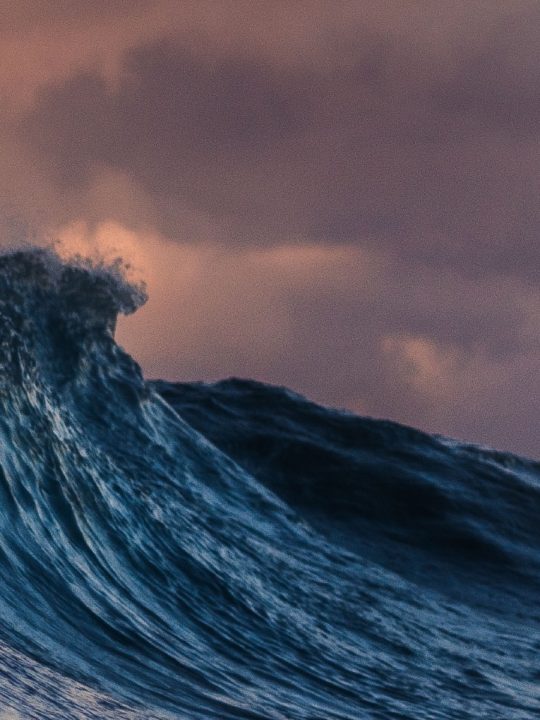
(231,550)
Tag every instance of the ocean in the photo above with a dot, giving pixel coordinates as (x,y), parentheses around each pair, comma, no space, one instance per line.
(233,551)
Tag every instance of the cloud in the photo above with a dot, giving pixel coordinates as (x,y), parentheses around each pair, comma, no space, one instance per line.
(381,144)
(469,395)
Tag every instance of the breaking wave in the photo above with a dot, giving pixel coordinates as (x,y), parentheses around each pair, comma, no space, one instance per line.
(232,550)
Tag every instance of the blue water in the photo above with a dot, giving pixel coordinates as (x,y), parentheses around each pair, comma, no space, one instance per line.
(232,550)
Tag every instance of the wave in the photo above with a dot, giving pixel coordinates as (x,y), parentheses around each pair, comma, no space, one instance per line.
(362,481)
(231,550)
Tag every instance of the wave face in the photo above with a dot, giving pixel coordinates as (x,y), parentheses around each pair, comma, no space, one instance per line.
(234,551)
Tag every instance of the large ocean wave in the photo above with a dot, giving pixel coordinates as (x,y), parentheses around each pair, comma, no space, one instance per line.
(231,550)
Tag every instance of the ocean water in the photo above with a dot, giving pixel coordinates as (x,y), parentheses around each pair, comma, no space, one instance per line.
(232,550)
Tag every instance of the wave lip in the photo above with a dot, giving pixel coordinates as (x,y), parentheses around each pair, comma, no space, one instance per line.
(52,311)
(234,551)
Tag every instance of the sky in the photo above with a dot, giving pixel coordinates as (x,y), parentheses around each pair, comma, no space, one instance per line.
(339,197)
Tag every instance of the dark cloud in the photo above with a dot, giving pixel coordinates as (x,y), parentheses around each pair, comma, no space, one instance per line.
(382,145)
(174,118)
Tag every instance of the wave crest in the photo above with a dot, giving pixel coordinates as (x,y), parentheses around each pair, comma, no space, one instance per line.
(52,311)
